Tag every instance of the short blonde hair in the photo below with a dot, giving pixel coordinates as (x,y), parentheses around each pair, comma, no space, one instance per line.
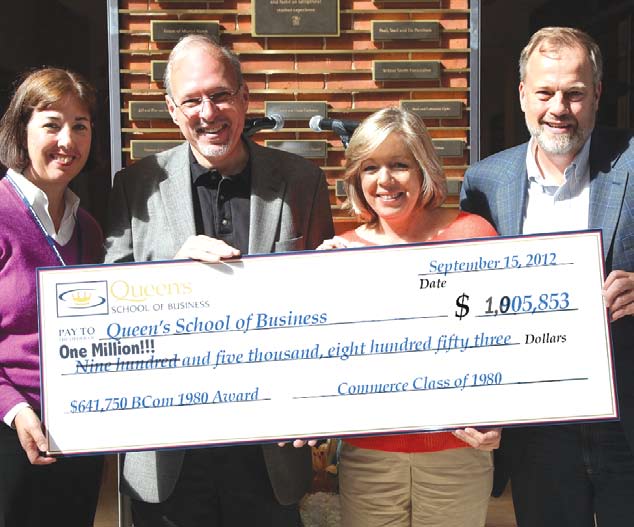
(556,38)
(369,135)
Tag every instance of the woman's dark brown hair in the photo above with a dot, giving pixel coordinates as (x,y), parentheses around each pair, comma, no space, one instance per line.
(39,90)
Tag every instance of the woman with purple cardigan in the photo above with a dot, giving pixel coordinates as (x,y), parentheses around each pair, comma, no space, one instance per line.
(45,141)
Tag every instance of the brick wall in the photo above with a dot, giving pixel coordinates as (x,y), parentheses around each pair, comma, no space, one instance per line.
(337,70)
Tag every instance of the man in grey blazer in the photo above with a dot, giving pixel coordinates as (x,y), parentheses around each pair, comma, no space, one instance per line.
(569,176)
(216,196)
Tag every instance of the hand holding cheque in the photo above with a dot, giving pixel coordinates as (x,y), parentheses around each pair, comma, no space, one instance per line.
(618,291)
(206,249)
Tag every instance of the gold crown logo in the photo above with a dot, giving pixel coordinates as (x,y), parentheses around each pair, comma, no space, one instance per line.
(82,298)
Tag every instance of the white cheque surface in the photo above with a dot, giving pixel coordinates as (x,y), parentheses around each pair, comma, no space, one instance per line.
(321,344)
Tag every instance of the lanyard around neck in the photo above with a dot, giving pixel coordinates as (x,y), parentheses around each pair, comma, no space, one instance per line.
(39,223)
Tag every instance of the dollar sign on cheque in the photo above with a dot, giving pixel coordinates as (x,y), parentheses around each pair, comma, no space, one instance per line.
(461,302)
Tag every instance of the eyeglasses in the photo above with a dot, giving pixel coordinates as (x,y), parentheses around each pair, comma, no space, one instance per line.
(194,105)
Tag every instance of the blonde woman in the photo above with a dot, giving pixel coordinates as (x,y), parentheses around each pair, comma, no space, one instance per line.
(395,184)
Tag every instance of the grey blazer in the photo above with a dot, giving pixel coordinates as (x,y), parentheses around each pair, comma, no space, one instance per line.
(496,188)
(151,216)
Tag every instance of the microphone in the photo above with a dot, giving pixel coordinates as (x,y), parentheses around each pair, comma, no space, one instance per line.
(320,124)
(269,122)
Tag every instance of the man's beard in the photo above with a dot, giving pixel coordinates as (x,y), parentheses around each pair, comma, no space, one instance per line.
(211,151)
(559,144)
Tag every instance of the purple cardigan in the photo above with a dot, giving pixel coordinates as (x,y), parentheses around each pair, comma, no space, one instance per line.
(22,249)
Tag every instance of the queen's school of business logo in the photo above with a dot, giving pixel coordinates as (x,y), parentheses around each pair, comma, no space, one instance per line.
(78,299)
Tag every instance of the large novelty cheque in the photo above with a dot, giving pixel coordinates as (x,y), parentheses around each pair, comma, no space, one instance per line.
(328,343)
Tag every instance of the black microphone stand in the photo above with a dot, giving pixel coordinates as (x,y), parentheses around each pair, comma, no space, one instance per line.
(341,131)
(250,129)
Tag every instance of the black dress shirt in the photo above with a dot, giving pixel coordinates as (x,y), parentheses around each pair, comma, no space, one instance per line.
(222,204)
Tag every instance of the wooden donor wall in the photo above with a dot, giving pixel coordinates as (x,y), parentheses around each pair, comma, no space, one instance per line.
(340,59)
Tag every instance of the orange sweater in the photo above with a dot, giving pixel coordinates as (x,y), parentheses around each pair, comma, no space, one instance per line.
(464,226)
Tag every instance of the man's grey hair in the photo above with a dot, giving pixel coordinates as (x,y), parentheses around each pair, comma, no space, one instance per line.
(189,41)
(556,38)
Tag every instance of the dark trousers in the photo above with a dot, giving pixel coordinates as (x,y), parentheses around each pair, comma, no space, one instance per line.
(219,487)
(562,476)
(64,493)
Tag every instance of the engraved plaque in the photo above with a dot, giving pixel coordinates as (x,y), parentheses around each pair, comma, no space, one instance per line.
(434,109)
(391,70)
(297,18)
(405,30)
(449,147)
(296,110)
(454,186)
(140,148)
(148,110)
(340,189)
(174,30)
(158,70)
(311,149)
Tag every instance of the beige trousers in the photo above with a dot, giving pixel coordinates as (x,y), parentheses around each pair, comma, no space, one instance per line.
(450,488)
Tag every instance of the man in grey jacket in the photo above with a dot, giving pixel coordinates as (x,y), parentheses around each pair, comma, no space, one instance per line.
(218,195)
